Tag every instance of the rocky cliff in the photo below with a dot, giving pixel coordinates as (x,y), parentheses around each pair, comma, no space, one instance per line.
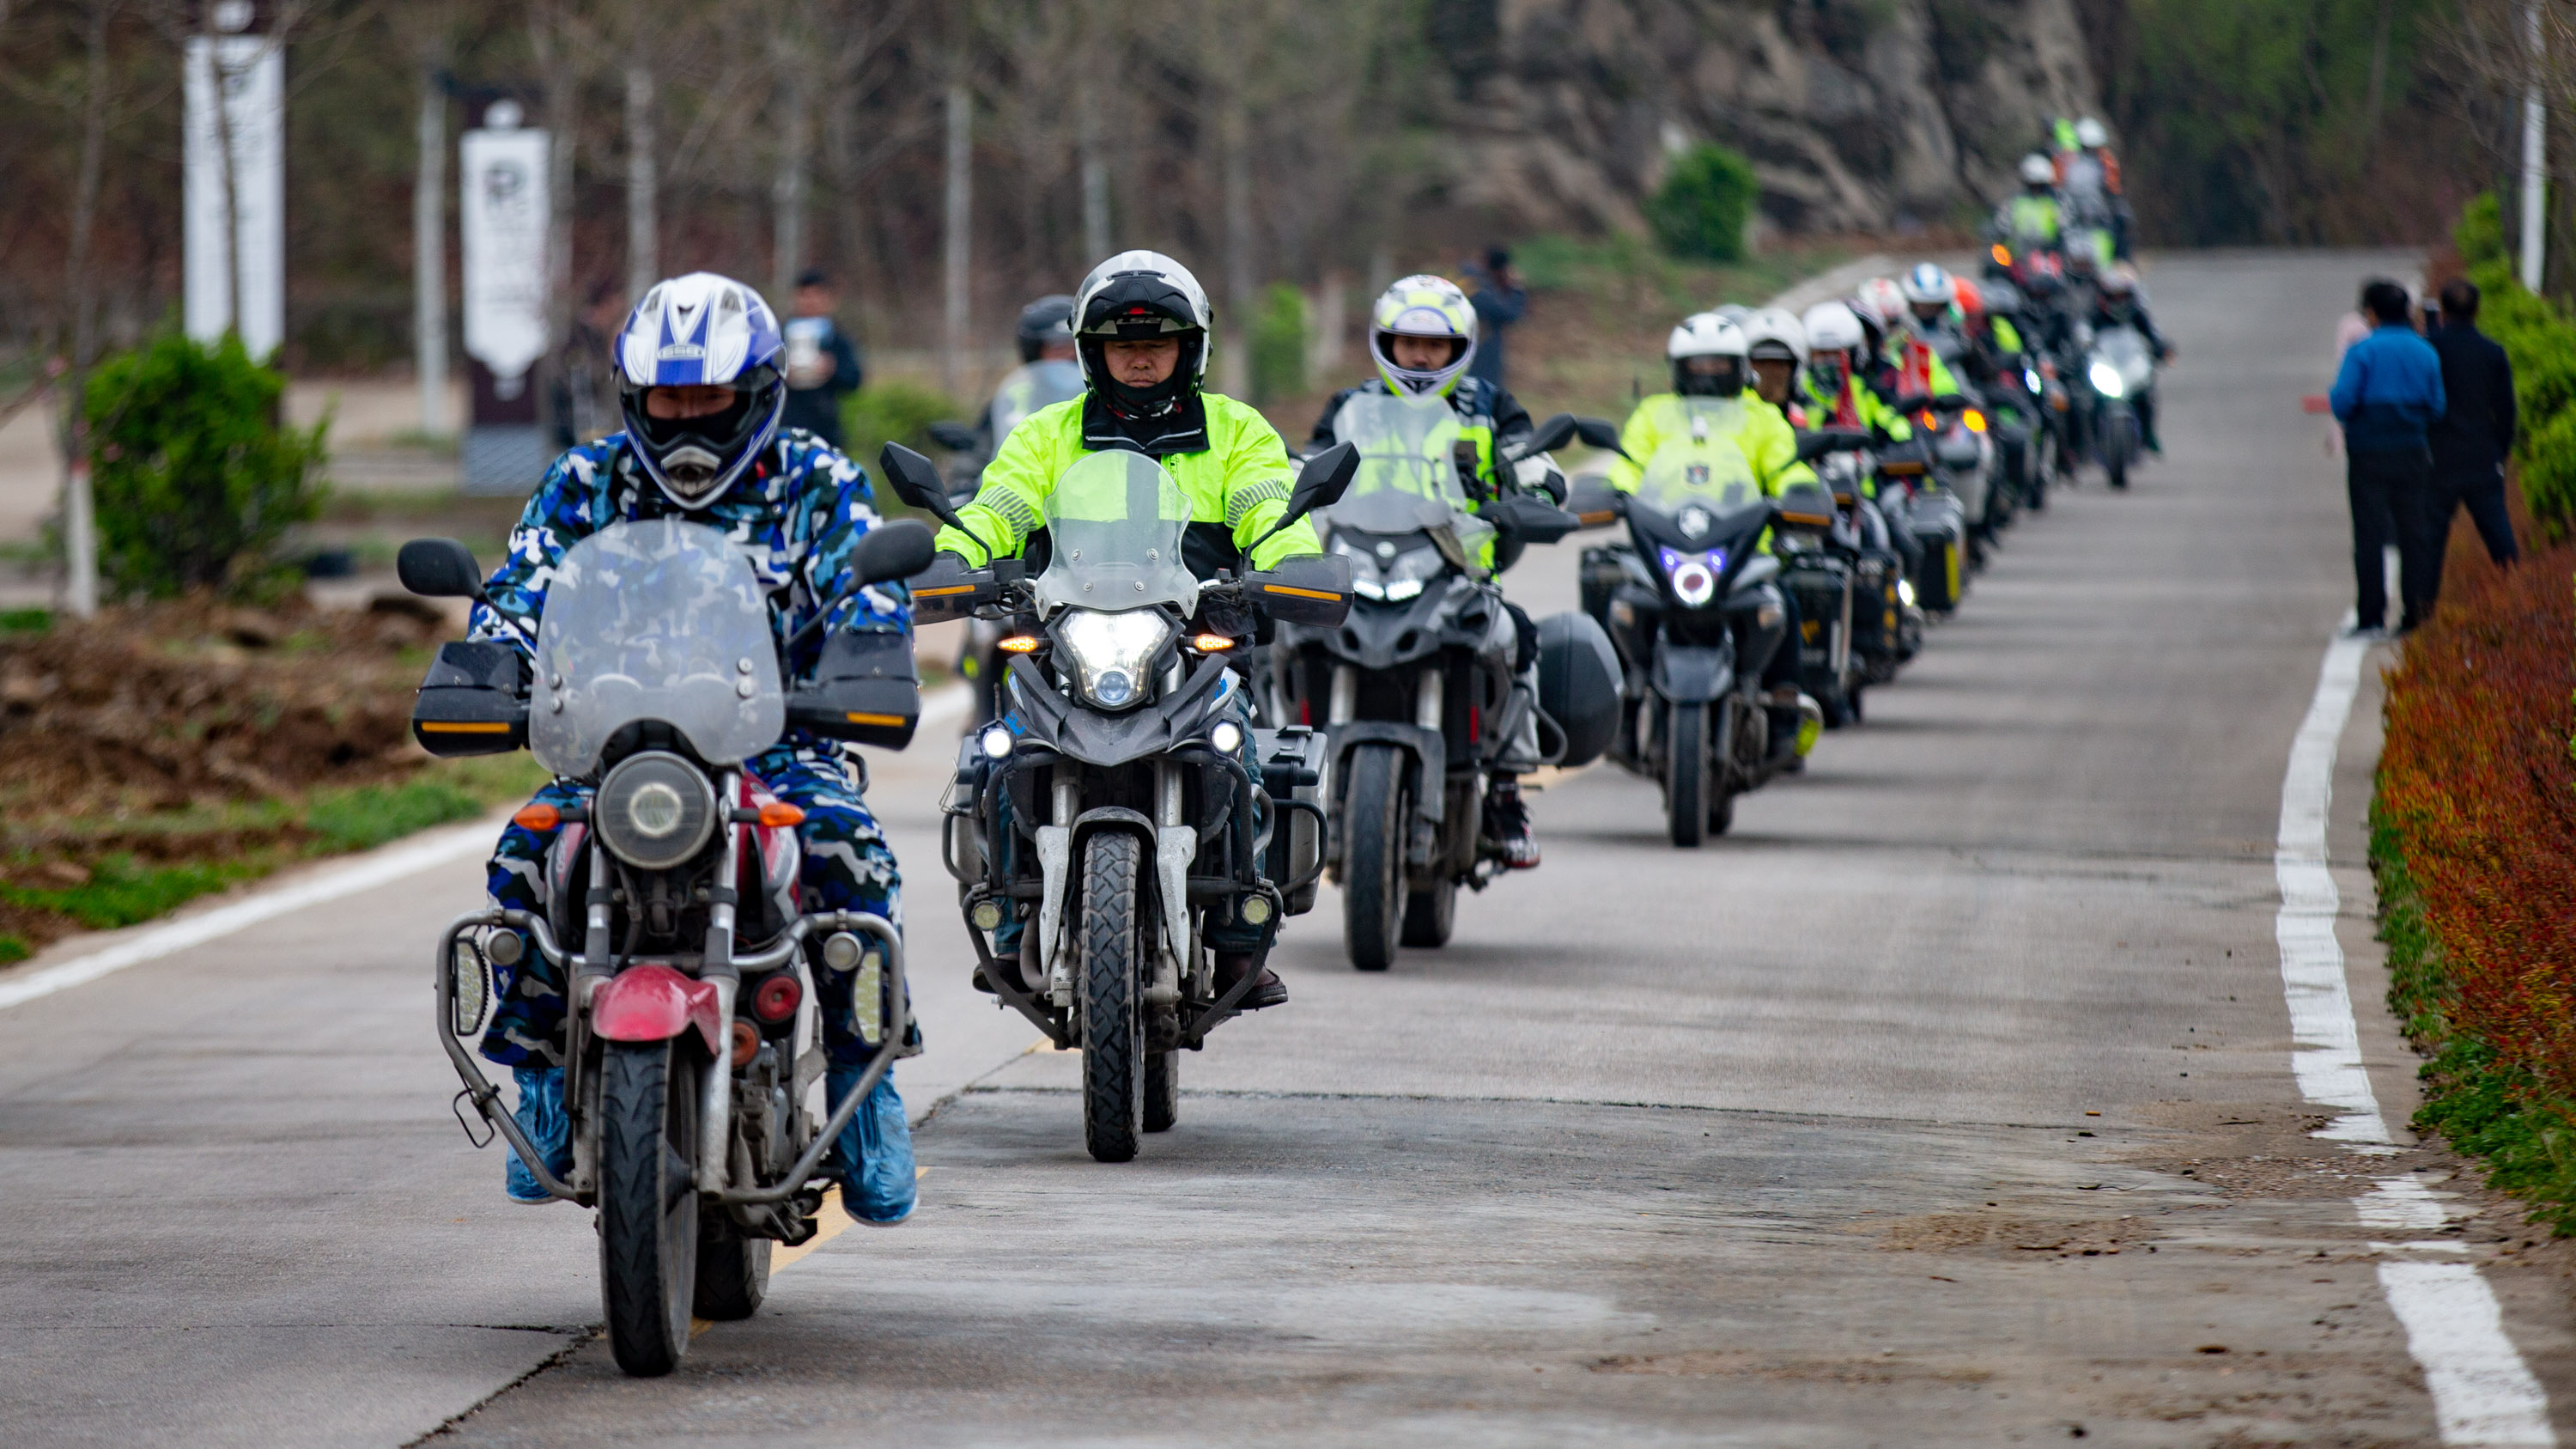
(1858,115)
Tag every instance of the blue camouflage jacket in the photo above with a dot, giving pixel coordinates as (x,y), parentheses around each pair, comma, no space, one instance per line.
(797,514)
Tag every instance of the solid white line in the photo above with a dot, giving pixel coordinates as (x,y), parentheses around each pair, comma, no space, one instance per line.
(378,867)
(2483,1394)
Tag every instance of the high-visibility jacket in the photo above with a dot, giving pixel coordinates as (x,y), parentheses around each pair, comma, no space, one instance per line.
(2029,219)
(1856,407)
(1235,472)
(1760,433)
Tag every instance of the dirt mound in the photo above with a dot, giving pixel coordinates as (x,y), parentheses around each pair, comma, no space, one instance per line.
(194,703)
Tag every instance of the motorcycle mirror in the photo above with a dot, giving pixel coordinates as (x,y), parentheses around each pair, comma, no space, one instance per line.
(955,437)
(896,550)
(1812,446)
(915,480)
(1600,433)
(1551,435)
(439,568)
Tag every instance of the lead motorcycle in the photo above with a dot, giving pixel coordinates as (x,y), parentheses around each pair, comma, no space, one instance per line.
(1126,802)
(671,904)
(1416,689)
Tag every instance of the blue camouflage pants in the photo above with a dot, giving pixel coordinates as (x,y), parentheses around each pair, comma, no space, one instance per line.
(848,867)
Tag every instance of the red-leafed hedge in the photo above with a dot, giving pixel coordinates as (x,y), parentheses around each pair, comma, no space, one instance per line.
(2476,839)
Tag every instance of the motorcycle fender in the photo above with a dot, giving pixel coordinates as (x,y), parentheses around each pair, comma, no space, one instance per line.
(1055,867)
(1430,756)
(1175,846)
(1688,674)
(653,1002)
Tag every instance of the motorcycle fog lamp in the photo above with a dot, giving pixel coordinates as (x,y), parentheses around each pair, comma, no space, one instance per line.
(1256,910)
(1227,737)
(1905,590)
(841,950)
(987,916)
(996,743)
(1112,651)
(2106,380)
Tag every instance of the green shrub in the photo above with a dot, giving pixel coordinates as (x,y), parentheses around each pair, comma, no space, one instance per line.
(1704,205)
(195,480)
(1279,345)
(894,412)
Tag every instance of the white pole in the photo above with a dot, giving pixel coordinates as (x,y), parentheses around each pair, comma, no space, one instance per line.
(642,264)
(961,152)
(80,543)
(2535,159)
(429,254)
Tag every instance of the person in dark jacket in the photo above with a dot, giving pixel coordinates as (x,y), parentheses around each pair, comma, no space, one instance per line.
(822,366)
(1500,300)
(2470,442)
(2387,396)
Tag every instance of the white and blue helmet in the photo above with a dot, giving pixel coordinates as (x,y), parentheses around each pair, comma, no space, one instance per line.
(701,330)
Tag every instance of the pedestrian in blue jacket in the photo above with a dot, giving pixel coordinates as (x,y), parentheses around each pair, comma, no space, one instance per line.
(2387,397)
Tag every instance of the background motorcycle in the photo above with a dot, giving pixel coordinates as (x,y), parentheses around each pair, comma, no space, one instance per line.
(2121,369)
(692,1045)
(1118,811)
(1415,687)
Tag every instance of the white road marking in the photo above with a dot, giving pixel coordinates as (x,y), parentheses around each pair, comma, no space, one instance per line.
(379,867)
(2483,1394)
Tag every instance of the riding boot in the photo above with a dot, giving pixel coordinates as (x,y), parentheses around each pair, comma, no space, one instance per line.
(873,1155)
(1266,992)
(541,1116)
(1507,818)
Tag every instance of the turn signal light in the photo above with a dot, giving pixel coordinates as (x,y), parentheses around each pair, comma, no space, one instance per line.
(746,1044)
(1211,643)
(2001,253)
(778,815)
(1020,644)
(1975,420)
(777,998)
(537,817)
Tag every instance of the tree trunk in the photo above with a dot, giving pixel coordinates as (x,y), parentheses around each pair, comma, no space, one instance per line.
(80,533)
(1094,166)
(787,190)
(1234,357)
(429,243)
(643,264)
(952,352)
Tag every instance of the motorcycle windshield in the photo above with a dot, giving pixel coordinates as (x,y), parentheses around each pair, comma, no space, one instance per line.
(2127,353)
(1698,464)
(1408,477)
(1116,520)
(659,620)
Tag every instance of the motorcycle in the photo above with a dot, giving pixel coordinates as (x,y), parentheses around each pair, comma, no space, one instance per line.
(1415,690)
(1127,803)
(1696,612)
(2121,369)
(1857,619)
(671,903)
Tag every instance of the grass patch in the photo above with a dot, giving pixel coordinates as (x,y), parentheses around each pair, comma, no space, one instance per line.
(14,949)
(123,891)
(26,621)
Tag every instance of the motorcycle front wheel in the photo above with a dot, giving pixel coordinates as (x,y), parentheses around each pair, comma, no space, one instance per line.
(1686,773)
(1375,817)
(648,1201)
(1113,1039)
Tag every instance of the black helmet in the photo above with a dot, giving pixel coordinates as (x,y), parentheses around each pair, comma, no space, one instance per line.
(1045,321)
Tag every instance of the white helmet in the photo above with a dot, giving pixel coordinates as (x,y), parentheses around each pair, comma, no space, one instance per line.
(2090,134)
(1424,306)
(1778,329)
(2038,170)
(1142,294)
(1734,312)
(1706,334)
(1926,285)
(1831,327)
(1882,298)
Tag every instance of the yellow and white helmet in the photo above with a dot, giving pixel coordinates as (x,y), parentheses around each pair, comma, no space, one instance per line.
(1423,306)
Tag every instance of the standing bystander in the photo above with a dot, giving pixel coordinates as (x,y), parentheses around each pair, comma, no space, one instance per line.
(2469,441)
(2386,395)
(1499,300)
(822,366)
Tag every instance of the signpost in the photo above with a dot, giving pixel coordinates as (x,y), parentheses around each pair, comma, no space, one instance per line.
(234,249)
(504,220)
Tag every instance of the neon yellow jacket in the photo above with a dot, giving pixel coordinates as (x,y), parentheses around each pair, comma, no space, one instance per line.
(1765,438)
(1241,480)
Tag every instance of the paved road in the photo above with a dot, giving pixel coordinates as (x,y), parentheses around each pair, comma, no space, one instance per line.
(1785,1141)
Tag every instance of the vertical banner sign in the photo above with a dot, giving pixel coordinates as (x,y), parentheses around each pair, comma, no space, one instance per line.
(504,220)
(234,251)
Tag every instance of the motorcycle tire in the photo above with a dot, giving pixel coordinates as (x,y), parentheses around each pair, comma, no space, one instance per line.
(648,1202)
(733,1272)
(1375,816)
(1430,915)
(1113,1036)
(1162,1091)
(1686,800)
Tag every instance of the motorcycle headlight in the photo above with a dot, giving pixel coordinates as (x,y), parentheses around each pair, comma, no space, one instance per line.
(654,810)
(1364,578)
(1411,572)
(1111,652)
(2030,379)
(1693,575)
(2106,379)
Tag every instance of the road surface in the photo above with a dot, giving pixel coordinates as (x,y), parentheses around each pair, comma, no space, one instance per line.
(1790,1140)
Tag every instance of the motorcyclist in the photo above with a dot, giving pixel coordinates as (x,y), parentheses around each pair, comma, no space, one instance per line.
(1775,343)
(2088,173)
(1709,360)
(1839,396)
(1992,359)
(1422,336)
(1047,372)
(1142,334)
(2032,219)
(701,390)
(2118,302)
(1928,293)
